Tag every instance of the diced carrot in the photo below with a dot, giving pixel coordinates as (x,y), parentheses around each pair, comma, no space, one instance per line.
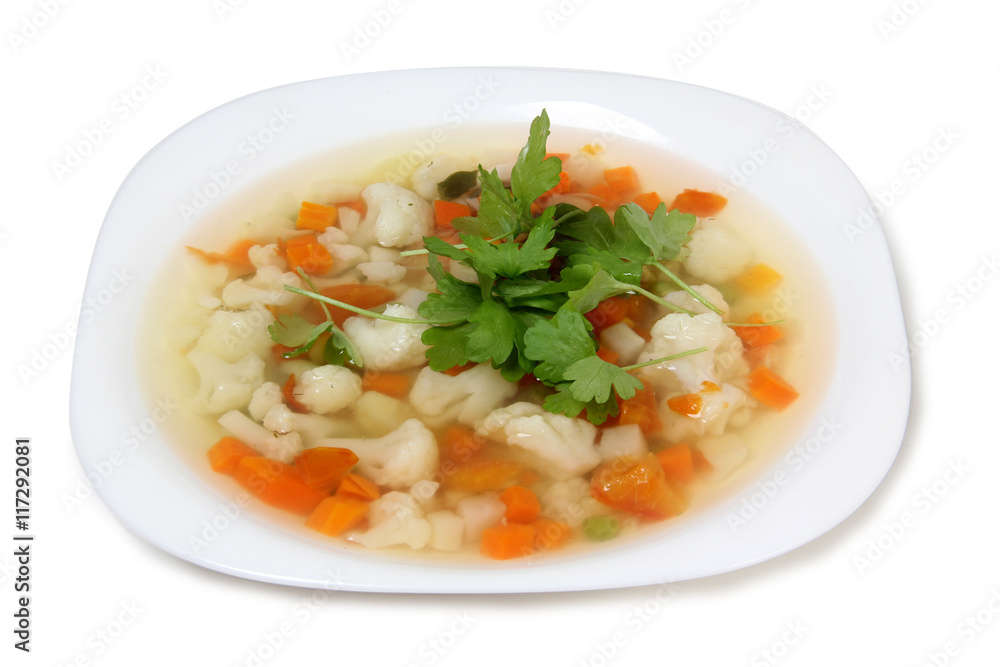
(702,204)
(528,477)
(637,486)
(358,486)
(277,484)
(641,409)
(358,206)
(562,156)
(607,355)
(759,335)
(288,391)
(455,371)
(623,180)
(446,211)
(565,184)
(688,405)
(227,453)
(648,201)
(757,356)
(481,475)
(609,312)
(238,255)
(354,294)
(316,217)
(758,279)
(512,540)
(460,443)
(699,462)
(396,385)
(606,197)
(551,534)
(278,351)
(677,462)
(770,389)
(337,514)
(522,504)
(324,468)
(307,253)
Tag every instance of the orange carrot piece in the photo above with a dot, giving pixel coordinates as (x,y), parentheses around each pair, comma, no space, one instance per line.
(288,391)
(688,405)
(446,211)
(623,180)
(337,514)
(522,504)
(770,389)
(358,206)
(460,443)
(551,534)
(309,254)
(316,217)
(760,335)
(641,409)
(607,197)
(396,385)
(562,156)
(758,279)
(677,463)
(277,484)
(565,184)
(504,542)
(458,370)
(528,477)
(354,294)
(637,486)
(238,255)
(699,462)
(357,486)
(227,453)
(702,204)
(323,468)
(607,355)
(648,201)
(481,475)
(609,312)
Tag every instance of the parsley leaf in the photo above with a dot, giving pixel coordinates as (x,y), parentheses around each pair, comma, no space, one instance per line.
(457,184)
(448,345)
(510,259)
(664,234)
(296,331)
(290,330)
(599,288)
(533,174)
(558,343)
(499,216)
(593,378)
(492,337)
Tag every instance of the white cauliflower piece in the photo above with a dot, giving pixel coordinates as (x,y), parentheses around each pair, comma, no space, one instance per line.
(688,302)
(447,529)
(399,216)
(388,346)
(265,288)
(395,519)
(399,459)
(224,385)
(479,513)
(623,340)
(677,332)
(378,414)
(344,253)
(282,447)
(717,254)
(384,271)
(617,441)
(467,397)
(564,445)
(349,220)
(326,389)
(570,502)
(332,235)
(264,398)
(266,255)
(194,300)
(233,334)
(718,406)
(426,176)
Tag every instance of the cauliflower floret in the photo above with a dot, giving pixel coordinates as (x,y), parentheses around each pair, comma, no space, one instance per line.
(688,302)
(625,440)
(399,216)
(196,300)
(399,459)
(327,388)
(717,254)
(479,513)
(233,334)
(378,414)
(466,397)
(224,385)
(266,287)
(388,346)
(266,255)
(718,405)
(384,271)
(447,529)
(282,447)
(264,398)
(565,446)
(344,253)
(677,333)
(395,518)
(570,502)
(426,176)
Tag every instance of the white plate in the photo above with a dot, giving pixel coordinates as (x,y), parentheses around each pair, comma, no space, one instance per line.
(158,497)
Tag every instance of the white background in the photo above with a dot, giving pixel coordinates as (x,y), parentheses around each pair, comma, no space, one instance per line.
(870,592)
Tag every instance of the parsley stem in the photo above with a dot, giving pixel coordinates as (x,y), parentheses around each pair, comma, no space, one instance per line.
(754,324)
(660,300)
(654,362)
(302,274)
(687,288)
(367,313)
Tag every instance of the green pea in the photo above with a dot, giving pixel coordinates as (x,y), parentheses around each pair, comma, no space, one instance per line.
(600,528)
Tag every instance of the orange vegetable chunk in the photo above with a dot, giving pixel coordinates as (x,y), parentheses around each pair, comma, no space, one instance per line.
(758,279)
(512,540)
(323,468)
(648,201)
(337,514)
(354,294)
(770,389)
(623,180)
(641,410)
(522,504)
(460,443)
(227,453)
(307,253)
(316,217)
(481,475)
(702,204)
(759,335)
(396,385)
(446,211)
(677,462)
(358,486)
(637,486)
(277,484)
